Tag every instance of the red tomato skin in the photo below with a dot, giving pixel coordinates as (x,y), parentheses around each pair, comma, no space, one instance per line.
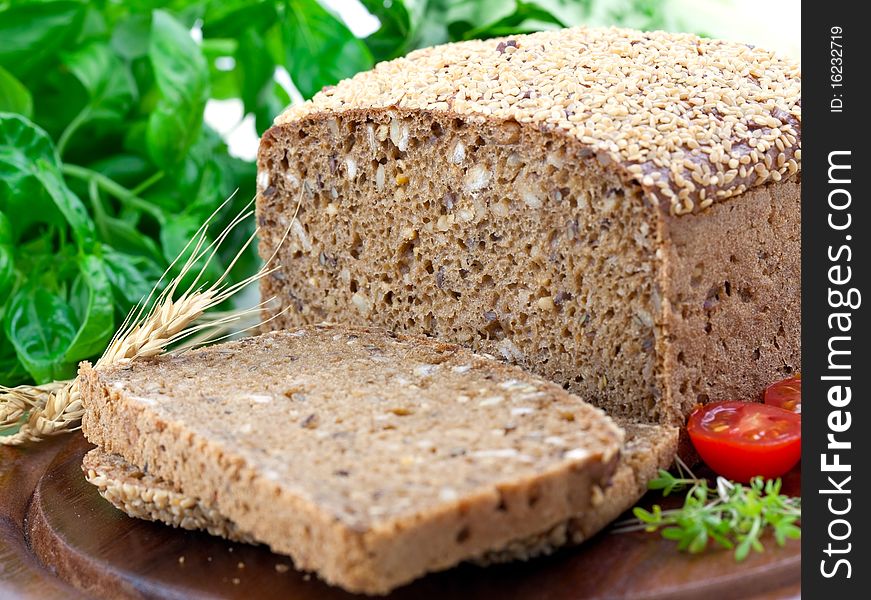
(741,460)
(785,394)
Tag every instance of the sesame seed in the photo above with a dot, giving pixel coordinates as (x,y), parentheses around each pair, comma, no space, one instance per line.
(669,108)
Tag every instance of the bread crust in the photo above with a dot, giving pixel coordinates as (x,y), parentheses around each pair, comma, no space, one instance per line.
(691,120)
(732,280)
(144,496)
(298,517)
(647,449)
(141,495)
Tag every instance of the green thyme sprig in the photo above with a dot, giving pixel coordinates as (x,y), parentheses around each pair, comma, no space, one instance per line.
(730,515)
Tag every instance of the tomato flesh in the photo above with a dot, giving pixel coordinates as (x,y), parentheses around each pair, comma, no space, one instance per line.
(742,440)
(785,394)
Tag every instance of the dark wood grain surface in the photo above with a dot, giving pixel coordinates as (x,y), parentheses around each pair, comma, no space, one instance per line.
(55,530)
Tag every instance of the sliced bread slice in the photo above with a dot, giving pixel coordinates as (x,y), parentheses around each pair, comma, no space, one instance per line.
(142,495)
(368,457)
(145,496)
(647,449)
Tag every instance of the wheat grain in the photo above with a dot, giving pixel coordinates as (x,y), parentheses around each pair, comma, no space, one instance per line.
(16,401)
(56,408)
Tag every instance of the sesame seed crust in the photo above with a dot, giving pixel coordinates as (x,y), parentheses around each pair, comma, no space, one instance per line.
(691,120)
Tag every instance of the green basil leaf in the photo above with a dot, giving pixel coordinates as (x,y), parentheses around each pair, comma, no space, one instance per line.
(33,32)
(12,372)
(110,85)
(229,18)
(166,198)
(274,38)
(22,197)
(134,141)
(212,189)
(567,13)
(527,17)
(125,238)
(463,17)
(207,147)
(242,173)
(224,80)
(94,24)
(174,236)
(7,261)
(57,99)
(143,74)
(224,84)
(396,32)
(132,277)
(271,103)
(186,186)
(67,203)
(319,49)
(14,97)
(182,76)
(482,11)
(255,68)
(215,47)
(92,302)
(6,238)
(32,188)
(126,169)
(7,272)
(130,37)
(41,326)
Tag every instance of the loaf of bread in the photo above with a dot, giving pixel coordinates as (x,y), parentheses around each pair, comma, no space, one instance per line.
(368,457)
(615,210)
(647,449)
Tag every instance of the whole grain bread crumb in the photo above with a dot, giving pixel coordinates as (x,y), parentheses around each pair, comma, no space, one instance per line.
(617,211)
(679,113)
(647,449)
(363,501)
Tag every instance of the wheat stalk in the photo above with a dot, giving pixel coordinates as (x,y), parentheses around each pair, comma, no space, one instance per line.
(56,407)
(23,401)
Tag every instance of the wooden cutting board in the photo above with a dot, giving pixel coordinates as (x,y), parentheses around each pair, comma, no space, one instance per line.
(59,539)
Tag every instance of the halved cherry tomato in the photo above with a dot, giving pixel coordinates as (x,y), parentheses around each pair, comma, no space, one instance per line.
(785,394)
(741,440)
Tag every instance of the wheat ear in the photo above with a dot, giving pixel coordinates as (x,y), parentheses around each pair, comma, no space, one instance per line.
(56,408)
